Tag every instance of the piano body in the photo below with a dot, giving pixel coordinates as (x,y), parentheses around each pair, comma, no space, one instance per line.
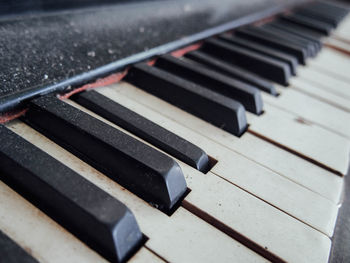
(174,131)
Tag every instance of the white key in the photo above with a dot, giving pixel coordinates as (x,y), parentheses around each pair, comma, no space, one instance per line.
(342,35)
(257,180)
(330,55)
(270,228)
(332,62)
(312,109)
(38,234)
(145,256)
(320,145)
(297,169)
(293,167)
(327,82)
(337,44)
(343,30)
(321,94)
(181,237)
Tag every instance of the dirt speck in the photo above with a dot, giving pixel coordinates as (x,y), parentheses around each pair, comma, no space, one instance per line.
(303,121)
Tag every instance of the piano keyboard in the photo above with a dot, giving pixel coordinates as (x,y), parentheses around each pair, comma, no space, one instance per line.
(232,150)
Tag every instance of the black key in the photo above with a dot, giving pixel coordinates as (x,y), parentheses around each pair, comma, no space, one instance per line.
(324,11)
(95,217)
(334,8)
(10,252)
(273,42)
(282,37)
(211,106)
(288,26)
(308,45)
(246,94)
(290,60)
(299,31)
(145,129)
(321,11)
(317,15)
(262,65)
(233,71)
(307,22)
(148,173)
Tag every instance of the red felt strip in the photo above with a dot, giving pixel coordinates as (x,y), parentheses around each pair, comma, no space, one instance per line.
(6,117)
(114,78)
(181,52)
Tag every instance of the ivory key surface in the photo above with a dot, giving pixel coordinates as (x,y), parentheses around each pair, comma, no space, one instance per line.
(312,110)
(323,81)
(332,62)
(338,45)
(322,146)
(343,30)
(323,95)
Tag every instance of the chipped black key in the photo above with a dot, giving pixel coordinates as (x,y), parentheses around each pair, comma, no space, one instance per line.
(233,71)
(206,104)
(273,42)
(148,173)
(144,129)
(262,65)
(290,60)
(10,252)
(246,94)
(95,217)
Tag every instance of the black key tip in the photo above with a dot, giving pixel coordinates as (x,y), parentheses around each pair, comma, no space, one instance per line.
(176,186)
(126,235)
(203,162)
(242,120)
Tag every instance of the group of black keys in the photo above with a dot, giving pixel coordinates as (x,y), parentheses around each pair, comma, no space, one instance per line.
(217,83)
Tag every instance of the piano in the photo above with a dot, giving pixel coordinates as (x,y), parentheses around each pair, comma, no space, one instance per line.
(174,131)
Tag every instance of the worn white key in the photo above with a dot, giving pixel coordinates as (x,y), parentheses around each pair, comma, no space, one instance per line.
(321,94)
(332,62)
(261,182)
(145,256)
(343,30)
(39,235)
(181,237)
(327,82)
(328,55)
(273,230)
(313,110)
(293,167)
(342,35)
(322,146)
(337,44)
(297,169)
